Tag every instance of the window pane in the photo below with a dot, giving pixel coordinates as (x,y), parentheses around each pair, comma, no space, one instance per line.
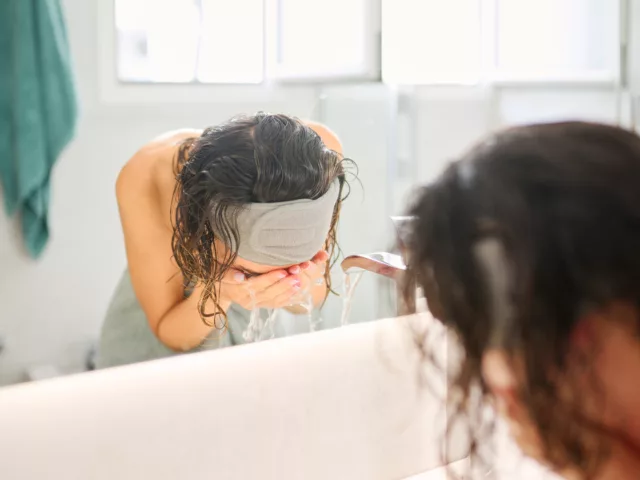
(232,49)
(186,40)
(557,37)
(157,41)
(431,41)
(332,38)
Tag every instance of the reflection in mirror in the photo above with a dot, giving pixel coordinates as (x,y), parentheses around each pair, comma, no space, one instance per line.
(217,224)
(191,175)
(150,270)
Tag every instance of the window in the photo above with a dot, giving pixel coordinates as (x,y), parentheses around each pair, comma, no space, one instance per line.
(556,39)
(223,41)
(431,41)
(400,41)
(470,41)
(211,41)
(327,40)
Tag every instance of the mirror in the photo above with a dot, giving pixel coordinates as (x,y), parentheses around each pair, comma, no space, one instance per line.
(441,78)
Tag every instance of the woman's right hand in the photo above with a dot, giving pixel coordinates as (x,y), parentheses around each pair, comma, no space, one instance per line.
(274,289)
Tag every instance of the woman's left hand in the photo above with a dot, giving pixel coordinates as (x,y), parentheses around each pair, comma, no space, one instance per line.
(312,277)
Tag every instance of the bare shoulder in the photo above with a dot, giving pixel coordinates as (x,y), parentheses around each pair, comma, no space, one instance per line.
(147,180)
(328,136)
(153,162)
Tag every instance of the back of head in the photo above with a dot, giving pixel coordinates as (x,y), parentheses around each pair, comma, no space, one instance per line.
(558,206)
(260,158)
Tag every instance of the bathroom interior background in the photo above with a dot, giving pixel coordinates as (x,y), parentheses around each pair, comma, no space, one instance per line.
(558,59)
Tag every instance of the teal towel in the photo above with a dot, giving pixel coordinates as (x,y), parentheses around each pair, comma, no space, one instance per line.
(38,109)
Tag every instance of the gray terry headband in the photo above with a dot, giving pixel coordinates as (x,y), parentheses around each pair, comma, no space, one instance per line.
(286,233)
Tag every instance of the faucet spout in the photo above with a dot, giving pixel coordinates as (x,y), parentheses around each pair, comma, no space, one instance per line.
(387,264)
(382,263)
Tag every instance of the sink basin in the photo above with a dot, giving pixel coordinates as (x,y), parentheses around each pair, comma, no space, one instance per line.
(337,404)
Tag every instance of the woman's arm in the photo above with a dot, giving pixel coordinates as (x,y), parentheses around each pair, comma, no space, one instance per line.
(156,279)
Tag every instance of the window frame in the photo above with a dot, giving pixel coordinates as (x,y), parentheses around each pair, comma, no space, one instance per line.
(113,91)
(278,88)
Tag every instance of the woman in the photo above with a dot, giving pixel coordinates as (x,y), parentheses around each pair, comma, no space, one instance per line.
(528,247)
(216,223)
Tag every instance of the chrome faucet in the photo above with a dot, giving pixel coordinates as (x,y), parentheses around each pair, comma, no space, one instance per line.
(389,265)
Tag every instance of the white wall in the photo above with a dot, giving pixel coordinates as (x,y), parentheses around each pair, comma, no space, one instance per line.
(51,310)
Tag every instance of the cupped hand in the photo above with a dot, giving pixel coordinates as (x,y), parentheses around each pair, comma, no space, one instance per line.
(274,289)
(312,277)
(311,272)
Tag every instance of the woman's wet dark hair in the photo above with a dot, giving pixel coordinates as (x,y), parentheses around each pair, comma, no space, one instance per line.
(261,158)
(563,201)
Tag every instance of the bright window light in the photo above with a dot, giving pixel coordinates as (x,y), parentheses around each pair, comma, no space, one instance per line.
(214,41)
(556,38)
(328,39)
(415,42)
(232,49)
(157,41)
(431,41)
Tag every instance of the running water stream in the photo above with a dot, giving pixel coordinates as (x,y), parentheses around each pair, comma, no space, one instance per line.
(261,328)
(351,280)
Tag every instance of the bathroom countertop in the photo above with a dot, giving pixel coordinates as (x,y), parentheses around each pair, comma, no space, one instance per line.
(273,410)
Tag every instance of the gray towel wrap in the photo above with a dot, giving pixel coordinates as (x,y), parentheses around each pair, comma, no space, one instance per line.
(286,233)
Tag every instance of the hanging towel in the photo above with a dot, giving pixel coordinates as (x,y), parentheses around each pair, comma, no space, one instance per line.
(38,109)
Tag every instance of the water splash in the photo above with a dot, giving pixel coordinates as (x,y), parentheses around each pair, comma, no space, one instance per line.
(351,280)
(307,304)
(315,323)
(259,329)
(269,328)
(254,328)
(304,300)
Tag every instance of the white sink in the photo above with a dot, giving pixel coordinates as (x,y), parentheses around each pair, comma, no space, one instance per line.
(339,404)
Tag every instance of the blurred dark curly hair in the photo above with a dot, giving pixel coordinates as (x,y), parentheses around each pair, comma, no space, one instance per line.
(563,200)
